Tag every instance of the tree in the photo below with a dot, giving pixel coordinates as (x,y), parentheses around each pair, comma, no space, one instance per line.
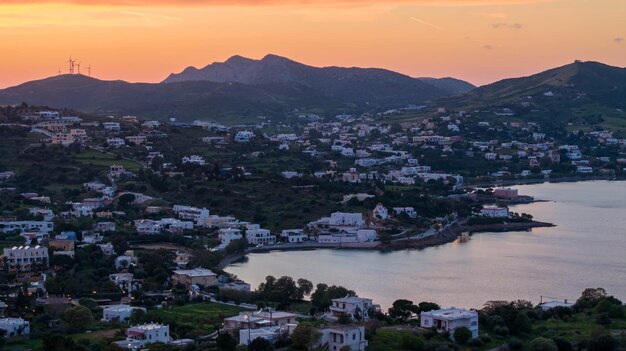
(603,319)
(462,335)
(427,306)
(225,342)
(125,200)
(304,288)
(78,316)
(346,348)
(402,309)
(563,344)
(91,304)
(237,246)
(604,343)
(58,342)
(543,344)
(304,335)
(522,323)
(260,344)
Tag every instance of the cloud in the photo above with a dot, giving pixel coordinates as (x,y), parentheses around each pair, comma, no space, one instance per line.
(425,23)
(275,2)
(488,47)
(618,40)
(507,25)
(86,17)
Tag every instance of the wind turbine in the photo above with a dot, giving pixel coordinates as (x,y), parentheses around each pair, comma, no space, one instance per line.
(71,62)
(78,64)
(89,70)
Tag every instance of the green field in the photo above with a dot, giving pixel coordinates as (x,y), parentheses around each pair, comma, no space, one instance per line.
(97,158)
(202,315)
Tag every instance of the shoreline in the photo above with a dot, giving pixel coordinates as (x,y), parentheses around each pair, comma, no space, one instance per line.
(568,179)
(446,236)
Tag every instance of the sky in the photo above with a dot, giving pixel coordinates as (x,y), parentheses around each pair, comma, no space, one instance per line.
(480,41)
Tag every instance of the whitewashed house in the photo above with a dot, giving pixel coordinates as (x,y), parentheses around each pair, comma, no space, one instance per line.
(448,320)
(357,308)
(120,313)
(495,212)
(141,335)
(14,326)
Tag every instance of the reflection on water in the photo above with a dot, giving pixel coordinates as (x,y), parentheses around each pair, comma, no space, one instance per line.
(587,248)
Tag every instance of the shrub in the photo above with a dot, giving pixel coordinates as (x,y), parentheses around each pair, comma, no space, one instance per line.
(515,344)
(542,344)
(462,335)
(603,319)
(563,344)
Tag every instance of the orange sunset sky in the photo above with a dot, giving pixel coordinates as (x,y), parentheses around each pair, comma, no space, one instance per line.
(142,40)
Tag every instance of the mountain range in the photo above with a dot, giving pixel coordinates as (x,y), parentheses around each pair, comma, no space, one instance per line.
(240,89)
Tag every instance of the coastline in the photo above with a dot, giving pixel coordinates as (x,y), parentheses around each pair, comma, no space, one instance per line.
(449,234)
(510,182)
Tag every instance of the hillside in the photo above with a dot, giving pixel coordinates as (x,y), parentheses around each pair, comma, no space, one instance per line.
(368,84)
(237,91)
(225,102)
(590,81)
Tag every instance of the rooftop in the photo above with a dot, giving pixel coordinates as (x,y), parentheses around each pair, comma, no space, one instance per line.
(451,313)
(196,272)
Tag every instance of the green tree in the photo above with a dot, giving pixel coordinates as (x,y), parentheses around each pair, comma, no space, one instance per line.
(58,342)
(304,288)
(91,304)
(522,323)
(78,316)
(304,335)
(543,344)
(462,335)
(225,342)
(260,344)
(402,309)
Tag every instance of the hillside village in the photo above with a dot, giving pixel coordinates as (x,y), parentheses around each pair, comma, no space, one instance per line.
(117,223)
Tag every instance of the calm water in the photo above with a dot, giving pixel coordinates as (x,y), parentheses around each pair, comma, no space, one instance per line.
(586,249)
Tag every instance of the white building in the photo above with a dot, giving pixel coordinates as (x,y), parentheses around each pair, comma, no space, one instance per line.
(22,258)
(118,312)
(200,216)
(258,236)
(449,319)
(294,235)
(26,226)
(194,159)
(243,136)
(229,234)
(584,169)
(14,326)
(380,212)
(357,308)
(410,211)
(148,226)
(495,211)
(141,335)
(338,336)
(346,219)
(116,142)
(271,334)
(111,126)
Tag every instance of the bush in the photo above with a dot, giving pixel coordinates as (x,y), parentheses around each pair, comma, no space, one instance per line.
(543,344)
(563,344)
(603,319)
(516,344)
(462,335)
(476,342)
(501,330)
